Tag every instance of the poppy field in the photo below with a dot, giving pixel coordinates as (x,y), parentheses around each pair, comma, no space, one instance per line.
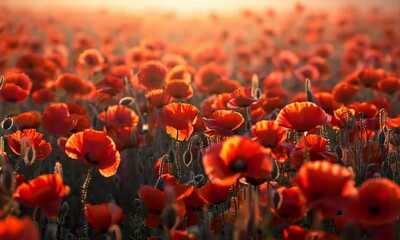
(261,124)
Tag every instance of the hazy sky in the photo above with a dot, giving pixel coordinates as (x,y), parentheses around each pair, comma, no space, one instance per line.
(191,6)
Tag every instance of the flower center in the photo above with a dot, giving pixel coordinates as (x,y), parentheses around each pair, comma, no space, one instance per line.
(237,165)
(89,159)
(374,210)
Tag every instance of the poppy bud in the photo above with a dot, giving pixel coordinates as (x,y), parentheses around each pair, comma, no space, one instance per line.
(126,101)
(170,217)
(381,139)
(2,81)
(309,95)
(7,123)
(7,179)
(30,155)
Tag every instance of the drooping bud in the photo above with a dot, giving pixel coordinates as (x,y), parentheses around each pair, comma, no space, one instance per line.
(7,123)
(382,139)
(309,95)
(126,101)
(30,155)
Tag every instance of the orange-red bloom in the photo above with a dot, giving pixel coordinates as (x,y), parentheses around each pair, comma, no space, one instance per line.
(158,98)
(302,116)
(27,120)
(101,216)
(91,60)
(223,122)
(178,119)
(311,148)
(377,203)
(94,148)
(292,205)
(119,116)
(344,92)
(16,88)
(12,228)
(179,89)
(30,138)
(57,120)
(45,192)
(152,75)
(156,201)
(225,162)
(325,186)
(242,97)
(269,133)
(342,116)
(389,85)
(73,84)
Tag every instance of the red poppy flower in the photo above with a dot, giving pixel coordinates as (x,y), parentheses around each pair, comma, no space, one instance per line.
(314,147)
(110,85)
(178,119)
(389,85)
(155,201)
(158,98)
(179,89)
(382,102)
(294,232)
(91,60)
(172,60)
(369,77)
(302,116)
(27,120)
(124,137)
(79,113)
(325,186)
(45,192)
(183,72)
(225,162)
(43,96)
(325,101)
(29,137)
(292,205)
(208,75)
(286,60)
(269,133)
(57,120)
(242,97)
(213,194)
(119,116)
(369,110)
(101,216)
(344,92)
(94,148)
(120,71)
(322,65)
(321,235)
(12,228)
(152,75)
(16,87)
(182,235)
(136,56)
(341,117)
(223,122)
(377,203)
(307,71)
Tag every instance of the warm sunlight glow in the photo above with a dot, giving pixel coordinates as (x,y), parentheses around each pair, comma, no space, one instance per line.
(190,7)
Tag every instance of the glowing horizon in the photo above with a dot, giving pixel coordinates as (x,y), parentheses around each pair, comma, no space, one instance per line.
(195,6)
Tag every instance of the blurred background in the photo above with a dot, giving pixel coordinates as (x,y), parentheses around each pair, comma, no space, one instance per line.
(185,7)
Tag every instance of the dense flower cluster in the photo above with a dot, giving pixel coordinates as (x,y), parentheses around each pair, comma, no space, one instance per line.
(266,125)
